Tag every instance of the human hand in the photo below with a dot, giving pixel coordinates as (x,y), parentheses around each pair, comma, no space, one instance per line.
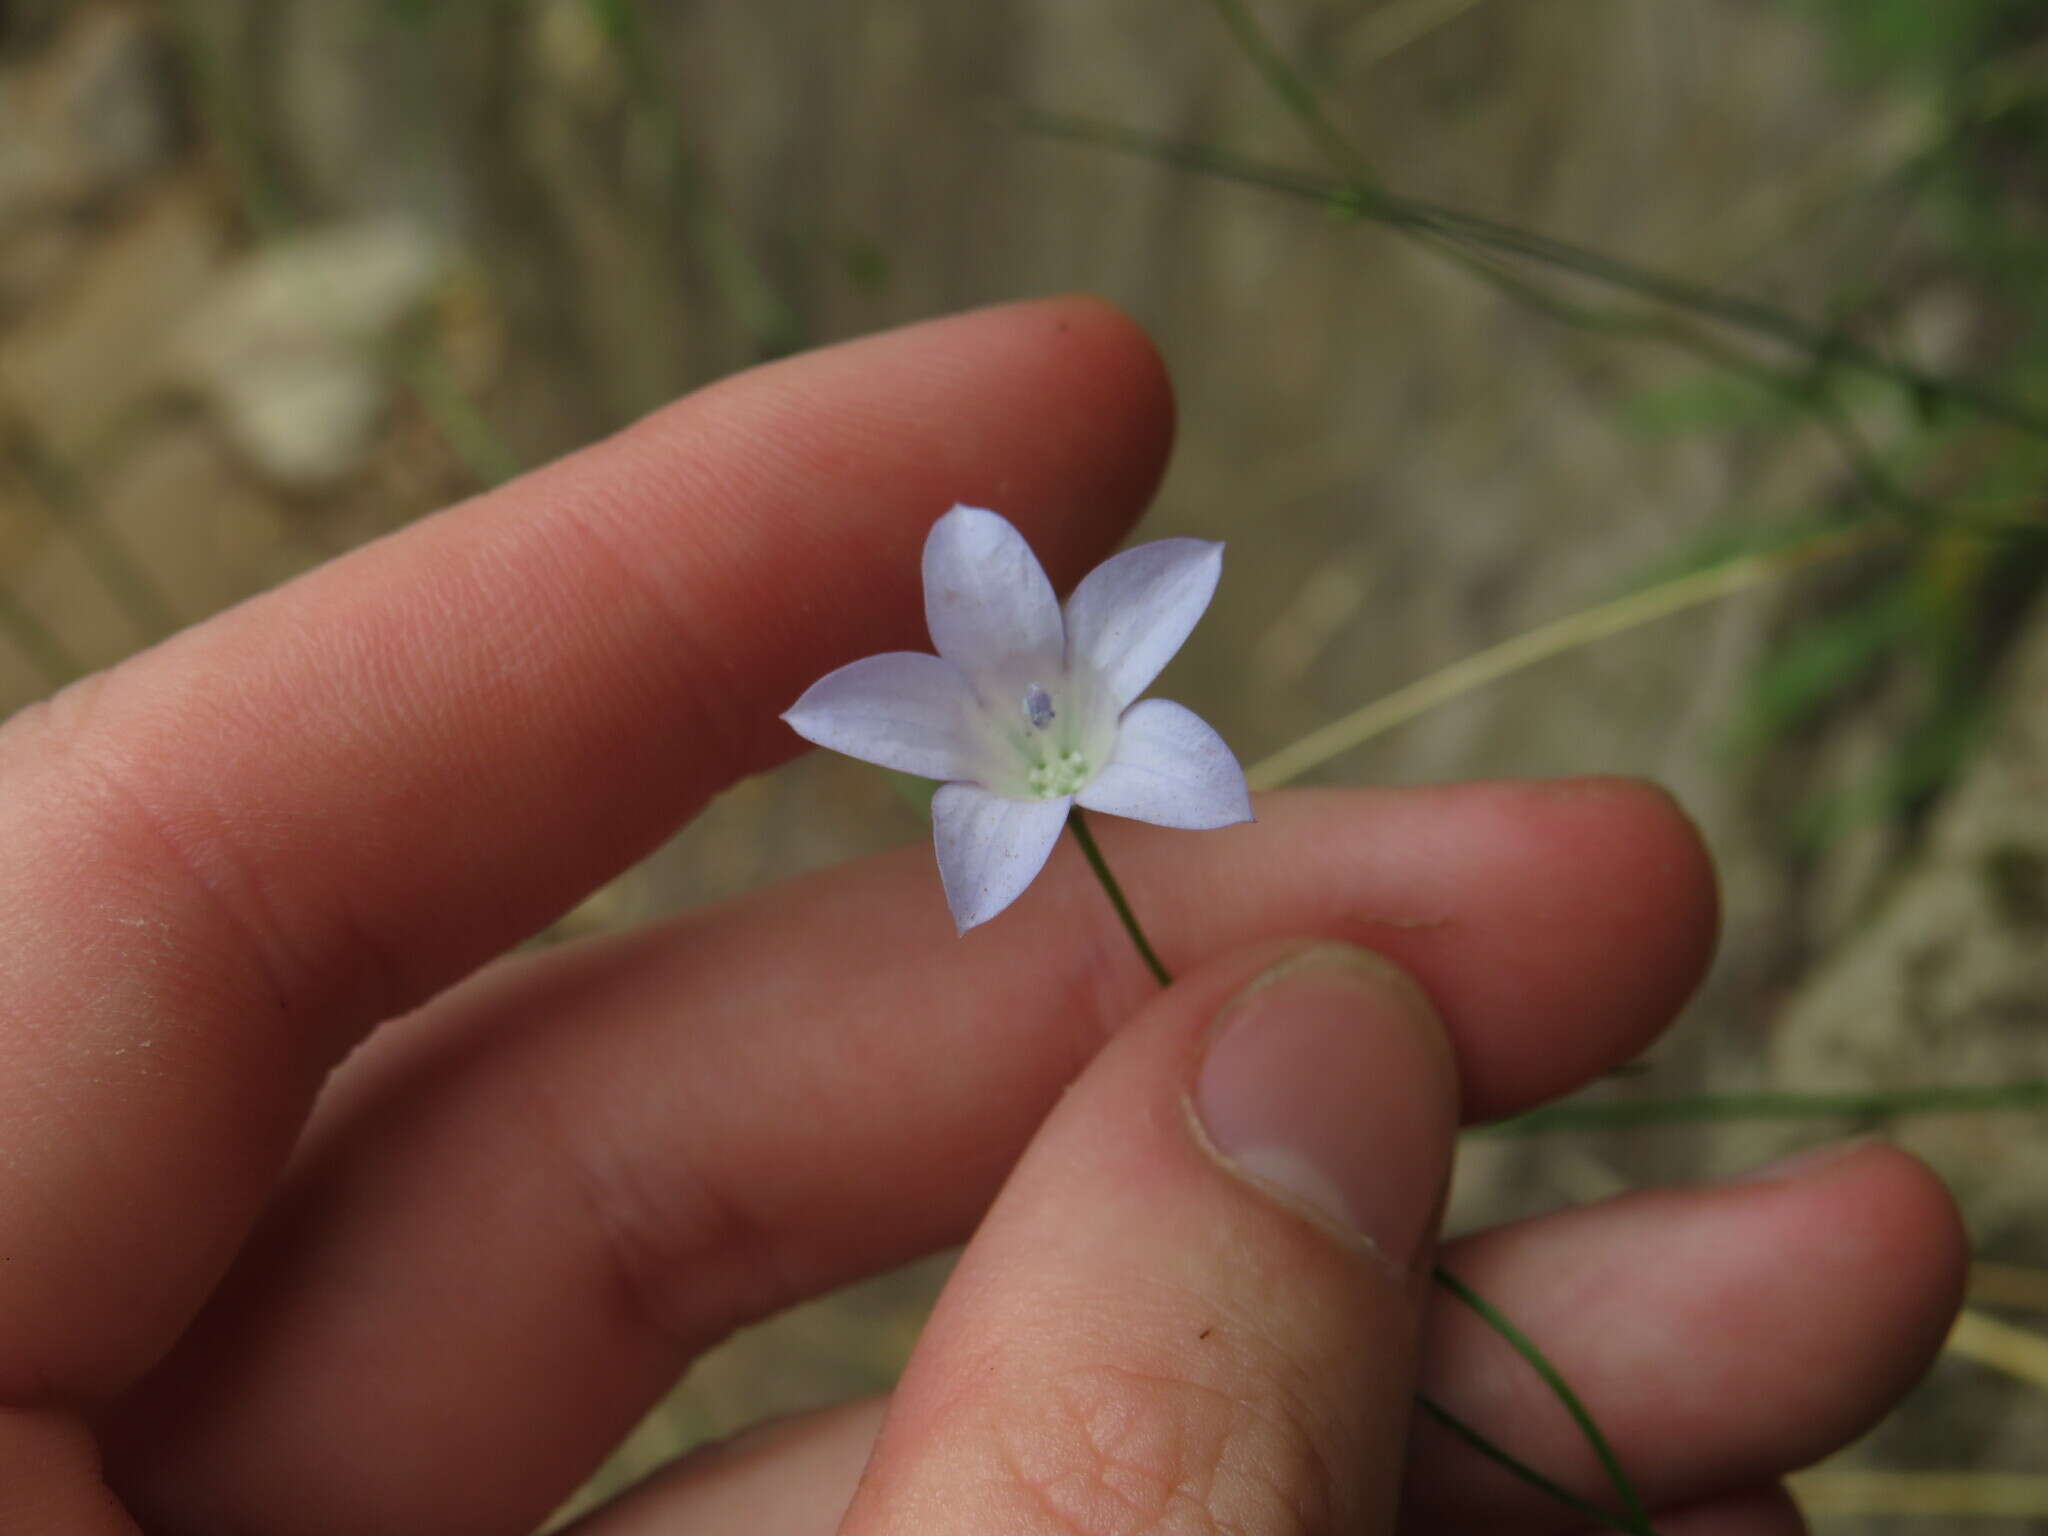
(518,1210)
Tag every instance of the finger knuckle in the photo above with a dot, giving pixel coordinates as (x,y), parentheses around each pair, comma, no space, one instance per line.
(178,867)
(1120,1452)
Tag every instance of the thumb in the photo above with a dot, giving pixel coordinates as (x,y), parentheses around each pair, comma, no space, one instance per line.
(1195,1305)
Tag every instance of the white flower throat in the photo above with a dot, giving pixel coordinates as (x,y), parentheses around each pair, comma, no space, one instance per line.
(1054,762)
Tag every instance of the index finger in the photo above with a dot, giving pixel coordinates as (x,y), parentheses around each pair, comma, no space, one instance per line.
(223,861)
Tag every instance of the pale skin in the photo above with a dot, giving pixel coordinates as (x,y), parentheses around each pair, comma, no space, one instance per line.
(244,1291)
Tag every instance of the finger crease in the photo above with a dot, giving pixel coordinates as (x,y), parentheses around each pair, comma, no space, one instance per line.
(670,1250)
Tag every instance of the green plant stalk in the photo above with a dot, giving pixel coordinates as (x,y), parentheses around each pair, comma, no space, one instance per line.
(1286,83)
(1801,388)
(1717,1108)
(1079,826)
(1828,348)
(1634,1513)
(1485,1447)
(1634,1522)
(1805,389)
(1554,639)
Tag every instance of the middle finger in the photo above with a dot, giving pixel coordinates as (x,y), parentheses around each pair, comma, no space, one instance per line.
(519,1213)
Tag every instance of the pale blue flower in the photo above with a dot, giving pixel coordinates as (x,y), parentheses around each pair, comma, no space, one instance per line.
(1027,711)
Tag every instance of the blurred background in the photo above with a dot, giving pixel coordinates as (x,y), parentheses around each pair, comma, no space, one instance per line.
(1701,339)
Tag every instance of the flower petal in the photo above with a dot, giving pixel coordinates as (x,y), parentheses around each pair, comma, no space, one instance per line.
(1172,769)
(986,597)
(904,710)
(990,848)
(1133,611)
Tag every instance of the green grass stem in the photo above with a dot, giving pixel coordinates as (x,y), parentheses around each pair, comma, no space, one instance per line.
(1829,348)
(1790,1105)
(1555,639)
(1294,92)
(1635,1516)
(1603,1517)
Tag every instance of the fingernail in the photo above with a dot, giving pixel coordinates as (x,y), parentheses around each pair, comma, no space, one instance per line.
(1800,1165)
(1328,1083)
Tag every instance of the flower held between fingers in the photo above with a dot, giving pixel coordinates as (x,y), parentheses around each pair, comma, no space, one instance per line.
(1028,710)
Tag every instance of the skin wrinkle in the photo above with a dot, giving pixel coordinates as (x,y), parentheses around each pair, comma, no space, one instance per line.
(656,1254)
(663,1231)
(64,749)
(611,511)
(1221,1434)
(1122,1452)
(256,992)
(141,1049)
(337,955)
(711,713)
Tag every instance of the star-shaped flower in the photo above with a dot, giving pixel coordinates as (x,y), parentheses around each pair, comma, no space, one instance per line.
(1027,711)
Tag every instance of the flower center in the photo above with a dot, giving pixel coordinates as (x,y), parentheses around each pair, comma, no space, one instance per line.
(1055,766)
(1062,773)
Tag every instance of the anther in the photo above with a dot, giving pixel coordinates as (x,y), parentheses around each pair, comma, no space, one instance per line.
(1037,707)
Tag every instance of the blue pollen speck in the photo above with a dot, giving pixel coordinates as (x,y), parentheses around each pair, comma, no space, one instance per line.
(1037,707)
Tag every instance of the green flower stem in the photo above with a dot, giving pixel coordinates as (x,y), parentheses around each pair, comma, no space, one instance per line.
(1079,824)
(1521,1469)
(1637,1518)
(1634,1520)
(1709,1108)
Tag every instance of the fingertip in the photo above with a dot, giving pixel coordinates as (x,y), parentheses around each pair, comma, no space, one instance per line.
(1875,1213)
(1802,1299)
(1657,840)
(1631,838)
(1601,895)
(1926,1207)
(1593,901)
(1644,920)
(1095,388)
(1328,1082)
(1105,374)
(1086,327)
(1056,413)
